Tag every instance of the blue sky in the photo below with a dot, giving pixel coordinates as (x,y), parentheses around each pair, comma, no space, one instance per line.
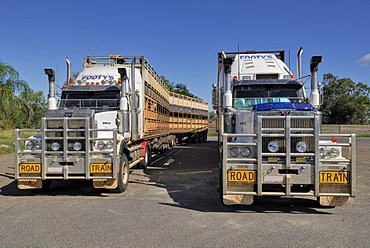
(181,38)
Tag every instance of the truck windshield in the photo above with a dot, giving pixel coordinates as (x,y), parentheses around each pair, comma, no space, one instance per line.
(246,96)
(100,100)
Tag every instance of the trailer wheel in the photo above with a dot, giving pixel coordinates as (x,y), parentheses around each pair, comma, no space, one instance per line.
(147,158)
(200,137)
(123,174)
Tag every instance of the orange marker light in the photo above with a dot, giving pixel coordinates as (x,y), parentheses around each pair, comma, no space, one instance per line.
(229,139)
(334,139)
(235,78)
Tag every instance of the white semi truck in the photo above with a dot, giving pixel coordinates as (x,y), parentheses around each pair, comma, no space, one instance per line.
(109,119)
(270,134)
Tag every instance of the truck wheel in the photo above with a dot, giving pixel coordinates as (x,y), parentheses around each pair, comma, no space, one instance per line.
(123,174)
(205,137)
(200,138)
(147,159)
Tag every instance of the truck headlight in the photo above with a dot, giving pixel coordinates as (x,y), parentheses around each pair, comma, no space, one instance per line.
(38,144)
(273,146)
(55,146)
(234,152)
(29,145)
(333,152)
(77,146)
(109,145)
(322,152)
(301,146)
(100,145)
(245,151)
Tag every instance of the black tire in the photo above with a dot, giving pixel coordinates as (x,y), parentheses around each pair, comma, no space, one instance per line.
(200,138)
(147,159)
(205,137)
(123,174)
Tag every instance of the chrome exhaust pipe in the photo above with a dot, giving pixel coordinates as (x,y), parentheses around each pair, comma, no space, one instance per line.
(52,103)
(299,61)
(68,69)
(315,94)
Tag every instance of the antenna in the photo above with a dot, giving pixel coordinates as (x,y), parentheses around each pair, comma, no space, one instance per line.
(238,63)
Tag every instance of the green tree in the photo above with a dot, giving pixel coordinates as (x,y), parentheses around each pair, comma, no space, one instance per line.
(32,107)
(9,85)
(345,102)
(167,83)
(20,106)
(177,87)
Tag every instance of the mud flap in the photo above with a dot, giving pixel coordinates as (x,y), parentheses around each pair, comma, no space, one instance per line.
(105,183)
(237,199)
(345,201)
(29,183)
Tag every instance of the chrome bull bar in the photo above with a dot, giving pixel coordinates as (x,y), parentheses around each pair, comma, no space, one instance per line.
(66,163)
(290,168)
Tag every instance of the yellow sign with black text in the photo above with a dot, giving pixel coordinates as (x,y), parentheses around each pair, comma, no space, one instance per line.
(335,177)
(29,168)
(100,168)
(243,176)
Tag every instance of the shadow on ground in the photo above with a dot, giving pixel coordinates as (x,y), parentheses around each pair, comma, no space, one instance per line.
(190,176)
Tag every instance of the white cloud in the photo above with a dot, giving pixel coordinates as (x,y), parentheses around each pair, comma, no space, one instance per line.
(365,60)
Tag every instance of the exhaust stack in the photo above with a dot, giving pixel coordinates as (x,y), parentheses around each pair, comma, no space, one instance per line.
(315,95)
(124,105)
(299,61)
(228,115)
(68,69)
(52,103)
(227,82)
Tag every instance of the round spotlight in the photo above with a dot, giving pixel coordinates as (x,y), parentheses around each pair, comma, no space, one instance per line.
(301,146)
(273,146)
(77,146)
(55,146)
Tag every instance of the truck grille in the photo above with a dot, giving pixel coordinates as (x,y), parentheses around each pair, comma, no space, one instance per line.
(300,128)
(65,131)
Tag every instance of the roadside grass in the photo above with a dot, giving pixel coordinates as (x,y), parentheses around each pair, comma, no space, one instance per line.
(7,140)
(366,135)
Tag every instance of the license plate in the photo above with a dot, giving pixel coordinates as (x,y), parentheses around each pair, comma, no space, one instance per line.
(338,177)
(243,176)
(30,168)
(100,168)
